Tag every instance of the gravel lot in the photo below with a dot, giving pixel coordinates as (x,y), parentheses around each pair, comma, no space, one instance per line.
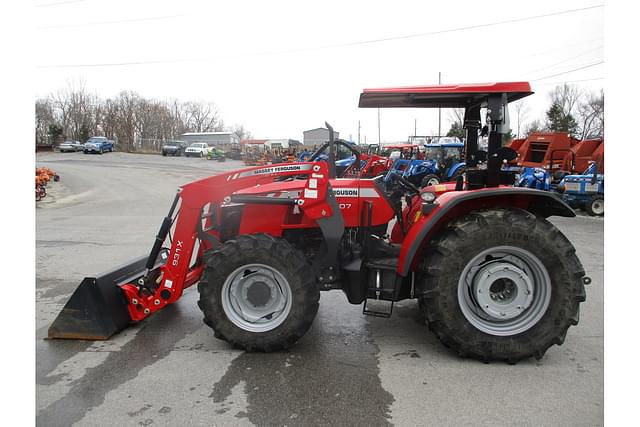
(347,370)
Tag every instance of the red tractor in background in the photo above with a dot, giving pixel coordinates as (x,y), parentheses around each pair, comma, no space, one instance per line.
(494,278)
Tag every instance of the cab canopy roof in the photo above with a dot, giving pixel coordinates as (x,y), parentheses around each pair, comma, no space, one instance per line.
(441,96)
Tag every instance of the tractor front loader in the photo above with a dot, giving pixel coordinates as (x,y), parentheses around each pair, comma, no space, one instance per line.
(494,278)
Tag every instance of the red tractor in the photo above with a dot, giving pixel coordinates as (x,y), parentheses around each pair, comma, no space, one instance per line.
(495,279)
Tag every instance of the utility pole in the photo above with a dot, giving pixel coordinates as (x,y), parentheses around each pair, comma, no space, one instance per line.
(379,140)
(415,127)
(358,132)
(439,109)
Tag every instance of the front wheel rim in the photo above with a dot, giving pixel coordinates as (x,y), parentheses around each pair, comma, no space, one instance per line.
(597,206)
(504,291)
(256,298)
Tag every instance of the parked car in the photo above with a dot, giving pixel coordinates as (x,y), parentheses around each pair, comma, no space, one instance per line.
(98,144)
(197,149)
(174,148)
(71,146)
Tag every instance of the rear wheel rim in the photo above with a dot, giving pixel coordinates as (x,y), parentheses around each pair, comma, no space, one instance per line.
(256,298)
(433,181)
(504,291)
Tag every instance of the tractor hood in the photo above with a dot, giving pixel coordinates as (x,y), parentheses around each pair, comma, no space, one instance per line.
(282,189)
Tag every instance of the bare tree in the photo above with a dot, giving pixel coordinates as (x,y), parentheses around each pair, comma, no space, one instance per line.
(44,117)
(126,130)
(531,127)
(456,117)
(522,112)
(179,115)
(240,132)
(564,103)
(591,115)
(75,107)
(203,117)
(109,118)
(128,118)
(567,97)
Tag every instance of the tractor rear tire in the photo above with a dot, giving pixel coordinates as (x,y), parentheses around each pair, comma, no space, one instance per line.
(501,262)
(258,293)
(429,180)
(595,206)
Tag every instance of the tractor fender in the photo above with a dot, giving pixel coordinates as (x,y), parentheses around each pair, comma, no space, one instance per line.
(453,169)
(453,204)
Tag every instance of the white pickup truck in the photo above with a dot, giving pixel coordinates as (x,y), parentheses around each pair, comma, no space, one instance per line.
(197,149)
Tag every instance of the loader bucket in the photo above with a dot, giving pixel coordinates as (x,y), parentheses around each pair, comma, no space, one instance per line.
(97,309)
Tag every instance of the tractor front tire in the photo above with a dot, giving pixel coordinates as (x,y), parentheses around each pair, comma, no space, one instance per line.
(595,206)
(501,284)
(429,180)
(258,293)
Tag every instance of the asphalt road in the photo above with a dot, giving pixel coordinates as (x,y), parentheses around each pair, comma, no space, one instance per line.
(347,370)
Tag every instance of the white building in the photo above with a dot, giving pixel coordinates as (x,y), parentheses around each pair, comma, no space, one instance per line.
(317,136)
(211,138)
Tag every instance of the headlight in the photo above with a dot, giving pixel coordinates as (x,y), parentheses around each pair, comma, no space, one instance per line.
(427,197)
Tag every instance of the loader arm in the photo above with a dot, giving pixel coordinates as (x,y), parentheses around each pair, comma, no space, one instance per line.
(104,305)
(177,274)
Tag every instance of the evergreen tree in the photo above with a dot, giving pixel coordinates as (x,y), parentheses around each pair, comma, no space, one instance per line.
(456,130)
(55,132)
(558,120)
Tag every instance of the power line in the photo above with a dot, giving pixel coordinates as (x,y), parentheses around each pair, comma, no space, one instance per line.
(546,51)
(470,27)
(570,81)
(59,3)
(87,24)
(362,42)
(570,71)
(565,60)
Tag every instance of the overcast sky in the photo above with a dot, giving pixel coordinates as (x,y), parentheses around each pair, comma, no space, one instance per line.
(280,68)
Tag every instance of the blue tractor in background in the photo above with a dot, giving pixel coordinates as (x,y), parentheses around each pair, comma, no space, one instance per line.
(443,162)
(585,191)
(536,178)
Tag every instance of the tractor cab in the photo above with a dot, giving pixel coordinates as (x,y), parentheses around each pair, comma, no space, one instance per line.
(447,152)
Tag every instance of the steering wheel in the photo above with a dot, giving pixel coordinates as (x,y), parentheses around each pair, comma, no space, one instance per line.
(405,183)
(354,165)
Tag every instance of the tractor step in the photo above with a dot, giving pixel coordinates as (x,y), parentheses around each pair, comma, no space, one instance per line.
(377,310)
(381,279)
